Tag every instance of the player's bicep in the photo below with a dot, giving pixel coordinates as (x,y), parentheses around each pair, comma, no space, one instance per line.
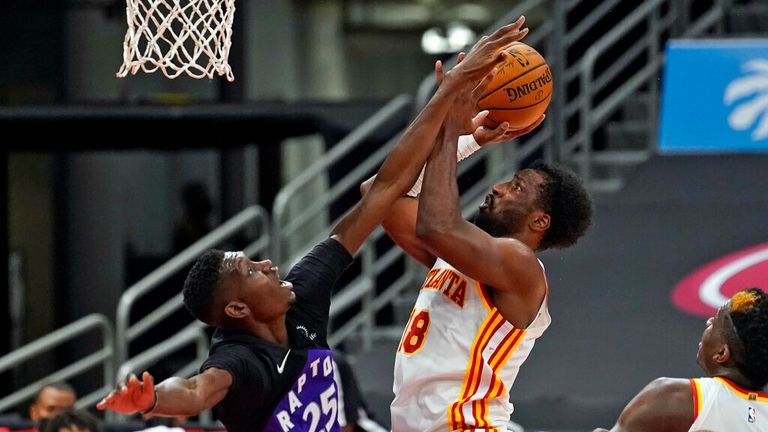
(400,224)
(211,386)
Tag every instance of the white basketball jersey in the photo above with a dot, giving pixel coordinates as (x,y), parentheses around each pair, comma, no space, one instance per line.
(722,406)
(458,357)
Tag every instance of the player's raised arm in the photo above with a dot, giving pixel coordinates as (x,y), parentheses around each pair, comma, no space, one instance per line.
(401,168)
(500,262)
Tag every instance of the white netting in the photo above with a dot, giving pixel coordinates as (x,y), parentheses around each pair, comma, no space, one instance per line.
(178,36)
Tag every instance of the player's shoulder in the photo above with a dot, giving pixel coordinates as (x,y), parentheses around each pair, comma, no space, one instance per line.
(514,248)
(668,391)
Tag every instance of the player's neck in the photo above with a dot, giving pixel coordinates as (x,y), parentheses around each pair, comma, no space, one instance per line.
(528,238)
(272,331)
(737,378)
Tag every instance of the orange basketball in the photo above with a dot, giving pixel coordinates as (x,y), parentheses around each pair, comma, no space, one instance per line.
(521,90)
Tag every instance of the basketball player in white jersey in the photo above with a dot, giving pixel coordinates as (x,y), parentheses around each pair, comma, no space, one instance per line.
(484,301)
(267,367)
(734,398)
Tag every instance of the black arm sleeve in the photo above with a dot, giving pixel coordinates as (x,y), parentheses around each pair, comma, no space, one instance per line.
(315,274)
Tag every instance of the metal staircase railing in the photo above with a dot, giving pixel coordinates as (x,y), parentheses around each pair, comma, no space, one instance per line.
(659,17)
(104,357)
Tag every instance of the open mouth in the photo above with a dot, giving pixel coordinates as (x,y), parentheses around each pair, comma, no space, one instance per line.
(285,284)
(487,202)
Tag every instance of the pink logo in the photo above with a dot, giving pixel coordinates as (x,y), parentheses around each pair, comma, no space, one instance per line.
(709,287)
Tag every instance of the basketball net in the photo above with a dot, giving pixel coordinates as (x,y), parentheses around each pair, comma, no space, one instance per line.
(178,36)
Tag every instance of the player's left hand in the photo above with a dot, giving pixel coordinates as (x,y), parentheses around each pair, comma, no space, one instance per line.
(131,396)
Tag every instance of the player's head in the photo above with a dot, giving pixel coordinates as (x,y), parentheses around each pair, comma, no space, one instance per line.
(51,400)
(224,288)
(71,420)
(737,338)
(547,201)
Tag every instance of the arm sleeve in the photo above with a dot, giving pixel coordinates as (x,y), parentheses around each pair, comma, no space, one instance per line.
(314,276)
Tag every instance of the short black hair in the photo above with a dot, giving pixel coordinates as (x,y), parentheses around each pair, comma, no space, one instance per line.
(565,199)
(58,385)
(749,314)
(201,284)
(69,417)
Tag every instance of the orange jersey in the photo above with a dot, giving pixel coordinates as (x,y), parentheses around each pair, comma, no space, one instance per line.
(720,405)
(458,357)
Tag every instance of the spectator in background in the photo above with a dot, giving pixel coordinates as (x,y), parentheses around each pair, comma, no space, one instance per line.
(52,399)
(70,420)
(195,222)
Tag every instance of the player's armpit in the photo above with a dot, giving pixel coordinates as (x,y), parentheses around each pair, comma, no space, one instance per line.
(504,263)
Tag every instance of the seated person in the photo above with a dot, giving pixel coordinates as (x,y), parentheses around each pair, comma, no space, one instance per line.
(70,420)
(52,399)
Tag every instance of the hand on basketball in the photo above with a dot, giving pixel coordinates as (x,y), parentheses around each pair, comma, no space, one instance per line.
(131,396)
(465,117)
(485,136)
(486,54)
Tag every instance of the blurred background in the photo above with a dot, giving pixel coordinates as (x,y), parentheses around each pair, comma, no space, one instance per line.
(114,186)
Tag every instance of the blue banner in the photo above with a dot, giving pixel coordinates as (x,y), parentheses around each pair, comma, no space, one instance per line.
(715,96)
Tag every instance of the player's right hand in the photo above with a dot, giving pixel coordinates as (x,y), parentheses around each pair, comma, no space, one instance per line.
(131,396)
(487,53)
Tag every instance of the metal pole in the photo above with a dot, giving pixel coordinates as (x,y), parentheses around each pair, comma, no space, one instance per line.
(558,74)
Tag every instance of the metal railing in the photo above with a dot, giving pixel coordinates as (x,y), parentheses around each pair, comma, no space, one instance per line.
(195,334)
(127,332)
(283,228)
(659,17)
(104,356)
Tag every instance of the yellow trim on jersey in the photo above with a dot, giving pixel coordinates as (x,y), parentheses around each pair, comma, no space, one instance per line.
(696,398)
(473,374)
(497,360)
(484,297)
(742,393)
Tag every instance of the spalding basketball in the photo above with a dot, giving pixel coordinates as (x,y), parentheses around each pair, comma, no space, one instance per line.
(521,89)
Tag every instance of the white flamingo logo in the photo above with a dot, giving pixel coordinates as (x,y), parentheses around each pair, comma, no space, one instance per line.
(753,89)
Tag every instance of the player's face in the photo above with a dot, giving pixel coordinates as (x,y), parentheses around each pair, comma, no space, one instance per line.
(711,341)
(507,208)
(51,402)
(258,285)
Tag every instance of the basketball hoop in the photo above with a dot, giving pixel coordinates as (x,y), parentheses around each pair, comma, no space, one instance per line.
(178,36)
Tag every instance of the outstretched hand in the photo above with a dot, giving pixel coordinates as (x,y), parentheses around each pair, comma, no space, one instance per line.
(131,396)
(487,53)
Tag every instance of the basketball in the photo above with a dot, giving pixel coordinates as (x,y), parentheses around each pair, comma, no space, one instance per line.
(521,90)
